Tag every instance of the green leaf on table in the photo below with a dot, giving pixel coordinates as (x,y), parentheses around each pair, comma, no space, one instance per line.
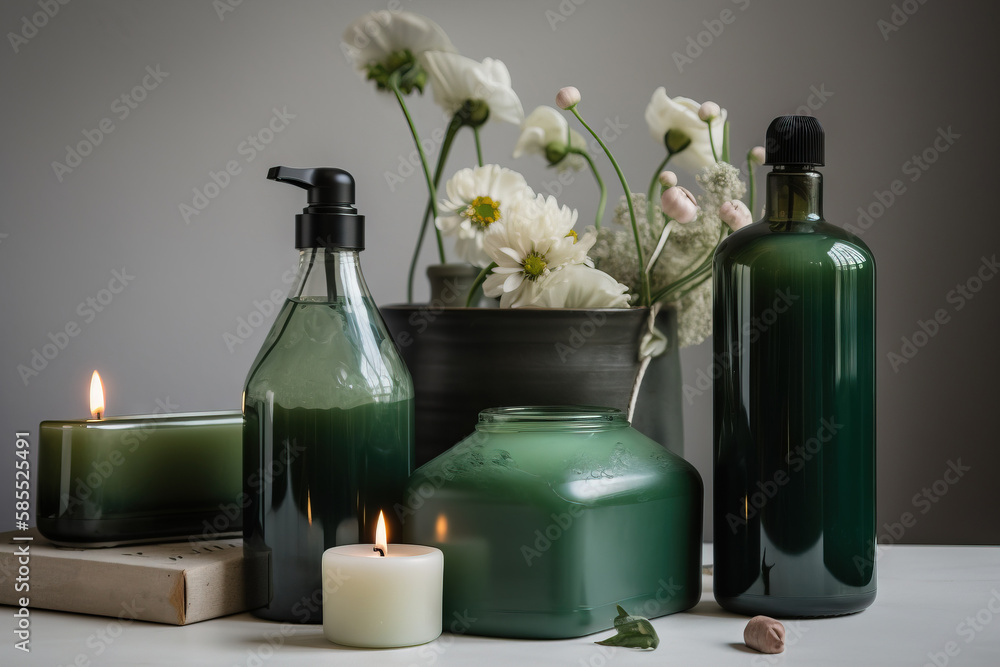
(633,632)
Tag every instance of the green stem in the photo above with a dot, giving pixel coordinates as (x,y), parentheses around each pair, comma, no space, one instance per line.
(699,283)
(453,127)
(711,141)
(479,148)
(753,185)
(652,188)
(394,86)
(704,265)
(725,141)
(600,184)
(644,276)
(480,279)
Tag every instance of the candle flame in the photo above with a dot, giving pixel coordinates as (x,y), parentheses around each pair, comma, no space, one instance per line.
(381,541)
(309,508)
(96,396)
(441,528)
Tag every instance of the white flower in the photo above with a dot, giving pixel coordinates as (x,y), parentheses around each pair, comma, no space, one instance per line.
(567,97)
(757,155)
(535,240)
(679,116)
(544,132)
(377,43)
(573,286)
(456,79)
(476,199)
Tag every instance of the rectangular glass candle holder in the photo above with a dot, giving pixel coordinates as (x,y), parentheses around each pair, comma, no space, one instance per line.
(124,480)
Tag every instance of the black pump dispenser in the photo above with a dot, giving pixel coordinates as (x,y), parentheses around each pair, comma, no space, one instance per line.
(330,220)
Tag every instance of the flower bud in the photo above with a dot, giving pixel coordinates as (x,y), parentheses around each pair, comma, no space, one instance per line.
(757,155)
(555,152)
(668,179)
(709,111)
(567,97)
(678,203)
(676,140)
(735,214)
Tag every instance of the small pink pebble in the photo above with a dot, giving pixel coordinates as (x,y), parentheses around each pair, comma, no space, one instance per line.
(765,634)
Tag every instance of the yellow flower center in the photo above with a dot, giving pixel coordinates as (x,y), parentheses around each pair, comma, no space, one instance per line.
(483,211)
(575,236)
(534,266)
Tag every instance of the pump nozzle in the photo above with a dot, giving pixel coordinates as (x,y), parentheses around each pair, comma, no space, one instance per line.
(330,220)
(326,185)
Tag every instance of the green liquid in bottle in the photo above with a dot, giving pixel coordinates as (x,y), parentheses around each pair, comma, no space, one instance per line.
(327,444)
(794,411)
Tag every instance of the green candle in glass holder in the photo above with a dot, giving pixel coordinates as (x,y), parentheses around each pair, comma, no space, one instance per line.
(549,517)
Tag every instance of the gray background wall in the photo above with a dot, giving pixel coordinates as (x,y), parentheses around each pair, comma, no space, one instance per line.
(885,98)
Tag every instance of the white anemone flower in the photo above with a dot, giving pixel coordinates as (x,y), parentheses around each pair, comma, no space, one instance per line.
(680,117)
(533,242)
(476,199)
(377,38)
(573,286)
(456,80)
(544,132)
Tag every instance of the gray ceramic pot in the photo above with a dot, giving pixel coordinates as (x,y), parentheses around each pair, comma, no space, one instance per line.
(464,360)
(450,284)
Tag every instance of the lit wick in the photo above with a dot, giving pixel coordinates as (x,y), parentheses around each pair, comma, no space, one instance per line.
(381,541)
(96,396)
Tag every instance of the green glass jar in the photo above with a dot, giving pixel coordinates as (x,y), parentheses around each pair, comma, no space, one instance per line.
(550,516)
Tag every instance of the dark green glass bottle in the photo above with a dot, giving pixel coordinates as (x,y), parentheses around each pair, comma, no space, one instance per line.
(328,412)
(794,404)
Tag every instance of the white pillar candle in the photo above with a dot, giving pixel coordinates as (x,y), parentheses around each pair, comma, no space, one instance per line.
(376,601)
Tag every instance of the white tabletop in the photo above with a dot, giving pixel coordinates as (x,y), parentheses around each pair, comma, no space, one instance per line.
(932,600)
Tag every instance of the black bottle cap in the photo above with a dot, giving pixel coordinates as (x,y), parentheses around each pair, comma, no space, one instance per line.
(330,220)
(794,140)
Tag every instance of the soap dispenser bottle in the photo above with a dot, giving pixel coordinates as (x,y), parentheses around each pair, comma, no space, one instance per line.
(794,404)
(328,411)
